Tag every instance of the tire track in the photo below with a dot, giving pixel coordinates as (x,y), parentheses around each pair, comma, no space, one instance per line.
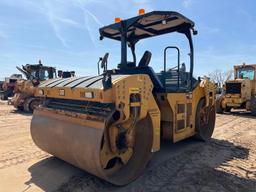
(13,161)
(227,163)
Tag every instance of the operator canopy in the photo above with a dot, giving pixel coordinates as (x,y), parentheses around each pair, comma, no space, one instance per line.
(148,25)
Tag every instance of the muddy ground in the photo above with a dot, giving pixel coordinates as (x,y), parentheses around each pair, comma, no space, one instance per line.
(226,163)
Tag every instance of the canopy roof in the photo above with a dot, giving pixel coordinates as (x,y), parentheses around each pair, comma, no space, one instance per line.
(148,25)
(245,65)
(36,67)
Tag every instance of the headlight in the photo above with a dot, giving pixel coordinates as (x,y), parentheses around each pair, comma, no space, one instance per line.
(62,92)
(88,95)
(41,92)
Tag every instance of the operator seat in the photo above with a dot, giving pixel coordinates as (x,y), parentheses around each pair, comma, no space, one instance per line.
(145,59)
(143,68)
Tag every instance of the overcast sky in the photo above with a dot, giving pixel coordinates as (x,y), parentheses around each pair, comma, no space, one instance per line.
(64,33)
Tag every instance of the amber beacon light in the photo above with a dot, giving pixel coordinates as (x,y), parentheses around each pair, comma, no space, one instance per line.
(117,19)
(141,11)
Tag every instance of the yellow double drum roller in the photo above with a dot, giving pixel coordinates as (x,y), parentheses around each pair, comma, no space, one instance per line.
(111,124)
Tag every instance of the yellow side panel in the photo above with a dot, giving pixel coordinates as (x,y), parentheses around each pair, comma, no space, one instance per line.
(184,99)
(142,85)
(155,117)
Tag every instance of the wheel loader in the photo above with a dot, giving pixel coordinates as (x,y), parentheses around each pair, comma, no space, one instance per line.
(239,93)
(110,125)
(24,90)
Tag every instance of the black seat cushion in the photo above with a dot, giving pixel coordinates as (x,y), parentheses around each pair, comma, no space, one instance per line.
(145,59)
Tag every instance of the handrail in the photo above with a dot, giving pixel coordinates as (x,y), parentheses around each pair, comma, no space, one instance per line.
(178,51)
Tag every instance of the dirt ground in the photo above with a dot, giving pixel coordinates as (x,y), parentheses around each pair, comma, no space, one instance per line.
(226,163)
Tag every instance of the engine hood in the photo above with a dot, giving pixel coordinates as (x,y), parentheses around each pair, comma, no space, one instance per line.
(89,88)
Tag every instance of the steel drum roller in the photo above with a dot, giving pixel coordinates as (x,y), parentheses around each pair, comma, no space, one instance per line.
(72,140)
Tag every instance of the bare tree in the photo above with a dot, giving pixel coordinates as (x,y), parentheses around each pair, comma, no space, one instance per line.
(220,76)
(228,75)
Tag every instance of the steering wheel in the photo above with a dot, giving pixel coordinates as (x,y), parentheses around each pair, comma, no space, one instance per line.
(176,67)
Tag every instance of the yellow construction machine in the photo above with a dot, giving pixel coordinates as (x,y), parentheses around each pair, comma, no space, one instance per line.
(239,93)
(24,90)
(111,124)
(7,86)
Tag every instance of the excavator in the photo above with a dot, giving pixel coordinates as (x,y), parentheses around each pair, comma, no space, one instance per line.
(111,124)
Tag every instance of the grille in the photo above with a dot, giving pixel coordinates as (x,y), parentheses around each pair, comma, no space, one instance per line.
(233,88)
(181,108)
(180,124)
(189,113)
(85,107)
